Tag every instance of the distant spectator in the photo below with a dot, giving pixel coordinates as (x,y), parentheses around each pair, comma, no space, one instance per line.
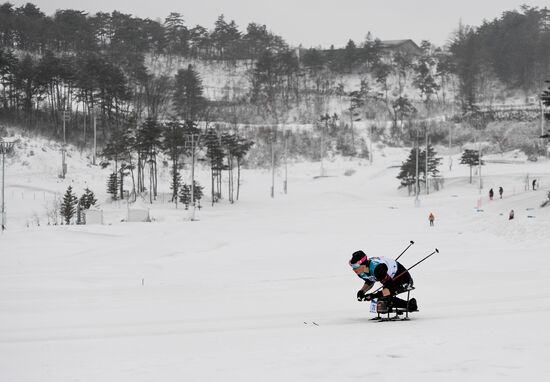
(500,191)
(491,193)
(534,184)
(511,215)
(431,218)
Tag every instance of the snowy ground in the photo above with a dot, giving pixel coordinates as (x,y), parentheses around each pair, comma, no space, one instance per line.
(234,296)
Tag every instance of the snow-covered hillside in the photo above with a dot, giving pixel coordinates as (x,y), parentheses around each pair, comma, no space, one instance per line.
(262,289)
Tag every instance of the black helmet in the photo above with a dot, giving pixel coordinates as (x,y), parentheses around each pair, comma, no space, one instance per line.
(358,257)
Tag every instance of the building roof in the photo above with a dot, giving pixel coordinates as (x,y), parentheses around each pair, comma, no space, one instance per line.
(398,44)
(395,42)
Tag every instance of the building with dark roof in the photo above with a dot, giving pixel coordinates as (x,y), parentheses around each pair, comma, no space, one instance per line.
(406,46)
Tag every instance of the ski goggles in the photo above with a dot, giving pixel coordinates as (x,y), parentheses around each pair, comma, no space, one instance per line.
(359,263)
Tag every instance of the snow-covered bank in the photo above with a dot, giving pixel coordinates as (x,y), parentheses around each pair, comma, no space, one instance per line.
(234,295)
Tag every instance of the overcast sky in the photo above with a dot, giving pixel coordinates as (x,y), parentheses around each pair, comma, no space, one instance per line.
(314,22)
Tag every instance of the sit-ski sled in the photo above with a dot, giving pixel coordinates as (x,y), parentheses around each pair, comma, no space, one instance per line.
(385,312)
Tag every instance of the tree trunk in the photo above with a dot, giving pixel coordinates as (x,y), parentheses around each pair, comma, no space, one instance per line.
(155,178)
(238,177)
(230,182)
(212,188)
(121,183)
(150,185)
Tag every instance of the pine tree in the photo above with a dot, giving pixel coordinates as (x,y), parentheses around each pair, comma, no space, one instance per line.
(471,158)
(175,182)
(87,199)
(407,174)
(350,56)
(243,146)
(148,143)
(545,98)
(176,34)
(68,206)
(433,162)
(188,100)
(112,185)
(402,110)
(197,194)
(424,80)
(230,143)
(215,154)
(118,149)
(185,195)
(173,144)
(84,203)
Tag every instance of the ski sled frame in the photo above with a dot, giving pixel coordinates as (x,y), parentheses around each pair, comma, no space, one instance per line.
(398,311)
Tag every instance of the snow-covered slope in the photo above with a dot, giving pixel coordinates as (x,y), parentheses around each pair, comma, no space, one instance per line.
(261,290)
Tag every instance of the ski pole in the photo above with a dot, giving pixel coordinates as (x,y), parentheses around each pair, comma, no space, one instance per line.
(408,269)
(405,250)
(414,265)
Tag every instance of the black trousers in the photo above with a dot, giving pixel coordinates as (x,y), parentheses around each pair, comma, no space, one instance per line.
(400,284)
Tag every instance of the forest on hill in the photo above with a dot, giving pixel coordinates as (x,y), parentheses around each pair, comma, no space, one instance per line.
(120,71)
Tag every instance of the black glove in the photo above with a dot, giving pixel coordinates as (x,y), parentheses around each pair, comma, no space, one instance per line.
(360,295)
(378,295)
